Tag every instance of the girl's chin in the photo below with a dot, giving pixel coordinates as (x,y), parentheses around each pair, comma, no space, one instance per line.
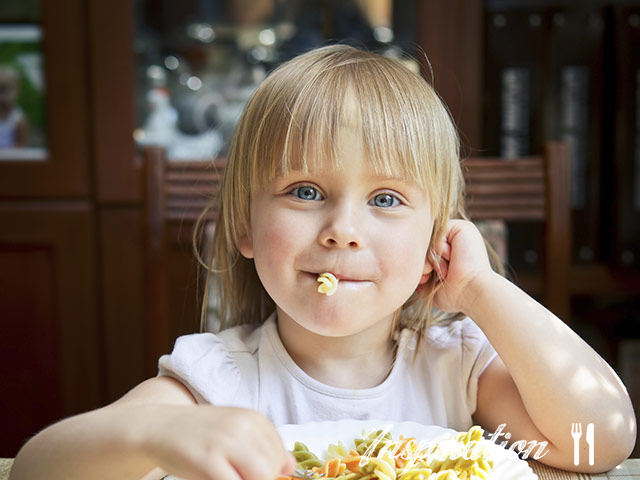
(337,322)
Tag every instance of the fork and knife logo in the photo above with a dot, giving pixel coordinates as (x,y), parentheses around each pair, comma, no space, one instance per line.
(576,433)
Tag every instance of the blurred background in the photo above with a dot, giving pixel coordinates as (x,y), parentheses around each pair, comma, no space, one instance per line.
(101,102)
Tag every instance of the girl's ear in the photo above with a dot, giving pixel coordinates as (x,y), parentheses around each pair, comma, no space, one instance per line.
(428,266)
(245,246)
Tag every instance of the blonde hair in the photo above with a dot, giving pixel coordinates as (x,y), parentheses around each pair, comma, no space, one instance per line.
(291,121)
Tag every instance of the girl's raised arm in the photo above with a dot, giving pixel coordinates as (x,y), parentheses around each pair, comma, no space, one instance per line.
(157,424)
(546,377)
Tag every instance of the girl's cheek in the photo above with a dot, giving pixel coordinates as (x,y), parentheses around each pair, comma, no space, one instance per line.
(279,239)
(406,249)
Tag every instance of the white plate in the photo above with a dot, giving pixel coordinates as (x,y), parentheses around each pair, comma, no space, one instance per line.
(319,435)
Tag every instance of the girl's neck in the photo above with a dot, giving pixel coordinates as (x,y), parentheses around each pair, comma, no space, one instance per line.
(358,361)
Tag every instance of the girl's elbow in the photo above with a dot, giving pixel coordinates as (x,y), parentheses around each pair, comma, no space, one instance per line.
(612,444)
(615,448)
(629,441)
(609,461)
(628,434)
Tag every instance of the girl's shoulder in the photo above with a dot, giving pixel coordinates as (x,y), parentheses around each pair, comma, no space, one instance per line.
(228,342)
(452,355)
(457,332)
(214,366)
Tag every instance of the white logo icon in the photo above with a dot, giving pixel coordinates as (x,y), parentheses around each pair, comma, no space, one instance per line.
(576,433)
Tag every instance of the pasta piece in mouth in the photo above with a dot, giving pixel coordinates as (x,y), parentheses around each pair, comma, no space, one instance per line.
(328,283)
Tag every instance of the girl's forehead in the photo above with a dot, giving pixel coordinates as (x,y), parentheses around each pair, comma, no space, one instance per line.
(351,115)
(396,132)
(348,148)
(367,168)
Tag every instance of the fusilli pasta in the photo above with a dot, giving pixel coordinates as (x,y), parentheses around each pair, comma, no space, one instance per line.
(376,456)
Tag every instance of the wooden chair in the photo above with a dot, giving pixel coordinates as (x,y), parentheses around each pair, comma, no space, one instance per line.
(174,196)
(530,189)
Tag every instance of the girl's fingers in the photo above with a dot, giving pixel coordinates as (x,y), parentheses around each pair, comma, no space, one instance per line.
(205,467)
(268,457)
(256,467)
(443,269)
(277,449)
(440,260)
(249,468)
(445,251)
(290,464)
(223,470)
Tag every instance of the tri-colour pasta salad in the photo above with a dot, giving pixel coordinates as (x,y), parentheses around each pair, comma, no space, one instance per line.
(377,456)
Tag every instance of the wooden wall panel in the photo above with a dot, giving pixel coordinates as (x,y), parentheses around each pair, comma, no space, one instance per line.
(122,285)
(30,361)
(112,87)
(48,317)
(450,33)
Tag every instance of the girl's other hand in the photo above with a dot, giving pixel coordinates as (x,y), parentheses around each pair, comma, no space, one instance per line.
(462,263)
(206,442)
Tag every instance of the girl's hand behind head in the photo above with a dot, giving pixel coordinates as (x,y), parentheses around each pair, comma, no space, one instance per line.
(206,442)
(462,261)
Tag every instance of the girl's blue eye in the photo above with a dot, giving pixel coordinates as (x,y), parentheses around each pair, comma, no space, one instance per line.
(306,192)
(385,200)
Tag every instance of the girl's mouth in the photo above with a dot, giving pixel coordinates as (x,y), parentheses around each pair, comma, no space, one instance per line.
(340,277)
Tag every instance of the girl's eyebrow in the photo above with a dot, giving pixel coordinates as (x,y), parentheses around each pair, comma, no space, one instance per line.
(382,176)
(395,179)
(374,177)
(291,173)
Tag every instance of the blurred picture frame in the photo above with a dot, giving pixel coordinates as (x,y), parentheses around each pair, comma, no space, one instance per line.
(22,93)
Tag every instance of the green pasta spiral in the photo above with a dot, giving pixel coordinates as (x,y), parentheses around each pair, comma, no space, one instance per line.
(364,444)
(305,458)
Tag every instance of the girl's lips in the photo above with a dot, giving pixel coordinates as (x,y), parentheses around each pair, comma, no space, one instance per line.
(342,278)
(346,279)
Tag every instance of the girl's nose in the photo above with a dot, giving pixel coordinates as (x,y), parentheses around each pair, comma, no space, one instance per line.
(342,229)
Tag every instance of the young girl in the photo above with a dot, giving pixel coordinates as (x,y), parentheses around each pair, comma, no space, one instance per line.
(346,163)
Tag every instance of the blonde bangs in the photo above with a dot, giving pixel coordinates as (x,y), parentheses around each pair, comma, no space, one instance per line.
(406,131)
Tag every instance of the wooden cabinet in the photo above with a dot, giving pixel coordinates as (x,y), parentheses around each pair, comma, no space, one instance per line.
(50,352)
(70,273)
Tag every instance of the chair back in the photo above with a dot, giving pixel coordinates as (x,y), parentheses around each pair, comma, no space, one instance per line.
(530,189)
(175,193)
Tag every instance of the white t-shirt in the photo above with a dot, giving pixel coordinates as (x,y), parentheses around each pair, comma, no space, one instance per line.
(248,366)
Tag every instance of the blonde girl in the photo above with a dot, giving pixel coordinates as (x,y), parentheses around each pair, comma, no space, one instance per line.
(345,163)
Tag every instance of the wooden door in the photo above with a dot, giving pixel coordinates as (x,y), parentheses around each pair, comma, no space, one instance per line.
(49,362)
